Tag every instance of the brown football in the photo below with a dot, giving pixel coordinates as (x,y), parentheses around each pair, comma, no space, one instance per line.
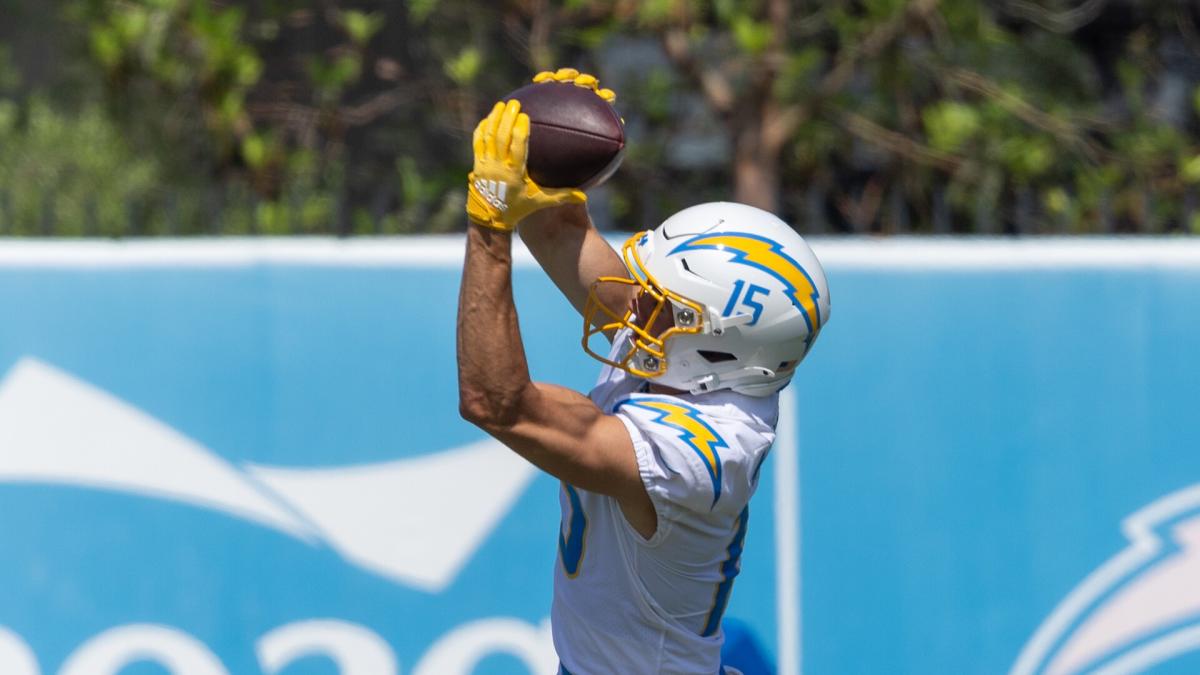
(576,139)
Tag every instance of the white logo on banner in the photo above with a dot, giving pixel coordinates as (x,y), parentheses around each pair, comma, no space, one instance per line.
(352,649)
(1140,608)
(57,429)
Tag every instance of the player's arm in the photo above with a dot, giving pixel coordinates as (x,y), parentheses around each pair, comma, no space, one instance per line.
(574,254)
(558,430)
(563,239)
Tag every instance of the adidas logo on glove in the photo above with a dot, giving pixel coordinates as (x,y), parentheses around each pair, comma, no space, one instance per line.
(493,191)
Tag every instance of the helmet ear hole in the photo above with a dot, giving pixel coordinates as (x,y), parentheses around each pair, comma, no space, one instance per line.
(715,357)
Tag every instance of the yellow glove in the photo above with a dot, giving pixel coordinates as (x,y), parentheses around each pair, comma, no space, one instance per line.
(578,79)
(499,191)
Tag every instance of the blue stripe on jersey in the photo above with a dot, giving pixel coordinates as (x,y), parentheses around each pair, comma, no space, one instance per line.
(729,570)
(572,545)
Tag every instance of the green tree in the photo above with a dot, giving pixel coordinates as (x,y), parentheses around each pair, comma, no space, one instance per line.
(354,117)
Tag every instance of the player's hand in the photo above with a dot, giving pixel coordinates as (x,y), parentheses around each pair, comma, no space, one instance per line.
(572,76)
(499,190)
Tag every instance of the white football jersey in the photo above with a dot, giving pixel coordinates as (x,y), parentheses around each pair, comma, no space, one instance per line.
(625,604)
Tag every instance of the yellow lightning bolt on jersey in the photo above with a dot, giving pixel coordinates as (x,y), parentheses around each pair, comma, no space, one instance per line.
(699,436)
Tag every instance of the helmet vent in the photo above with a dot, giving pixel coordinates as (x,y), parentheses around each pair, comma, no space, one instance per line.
(715,357)
(683,263)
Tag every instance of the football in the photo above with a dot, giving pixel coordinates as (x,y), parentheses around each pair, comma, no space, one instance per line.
(576,139)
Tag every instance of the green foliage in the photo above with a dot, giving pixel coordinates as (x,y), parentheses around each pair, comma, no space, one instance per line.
(653,12)
(1189,169)
(330,77)
(420,10)
(799,74)
(360,26)
(198,116)
(1027,157)
(752,37)
(66,173)
(176,48)
(465,67)
(950,124)
(10,77)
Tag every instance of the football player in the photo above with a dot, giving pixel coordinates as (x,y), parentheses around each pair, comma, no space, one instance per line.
(708,316)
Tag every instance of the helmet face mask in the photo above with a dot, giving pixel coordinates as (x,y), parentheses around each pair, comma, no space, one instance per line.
(645,354)
(729,297)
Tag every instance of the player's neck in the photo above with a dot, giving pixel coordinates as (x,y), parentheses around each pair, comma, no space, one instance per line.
(663,389)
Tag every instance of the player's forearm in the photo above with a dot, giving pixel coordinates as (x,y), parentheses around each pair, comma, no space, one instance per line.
(572,252)
(492,371)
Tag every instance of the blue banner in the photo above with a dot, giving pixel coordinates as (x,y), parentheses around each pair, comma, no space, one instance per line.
(247,458)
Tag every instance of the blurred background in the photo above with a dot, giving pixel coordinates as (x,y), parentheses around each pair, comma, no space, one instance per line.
(228,454)
(846,116)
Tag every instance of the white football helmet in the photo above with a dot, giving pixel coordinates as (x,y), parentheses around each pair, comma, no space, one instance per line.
(747,295)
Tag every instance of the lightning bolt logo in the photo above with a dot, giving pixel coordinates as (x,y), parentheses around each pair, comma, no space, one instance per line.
(1139,609)
(694,431)
(767,255)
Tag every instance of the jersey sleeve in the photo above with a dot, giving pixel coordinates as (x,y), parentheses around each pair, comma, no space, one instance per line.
(689,460)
